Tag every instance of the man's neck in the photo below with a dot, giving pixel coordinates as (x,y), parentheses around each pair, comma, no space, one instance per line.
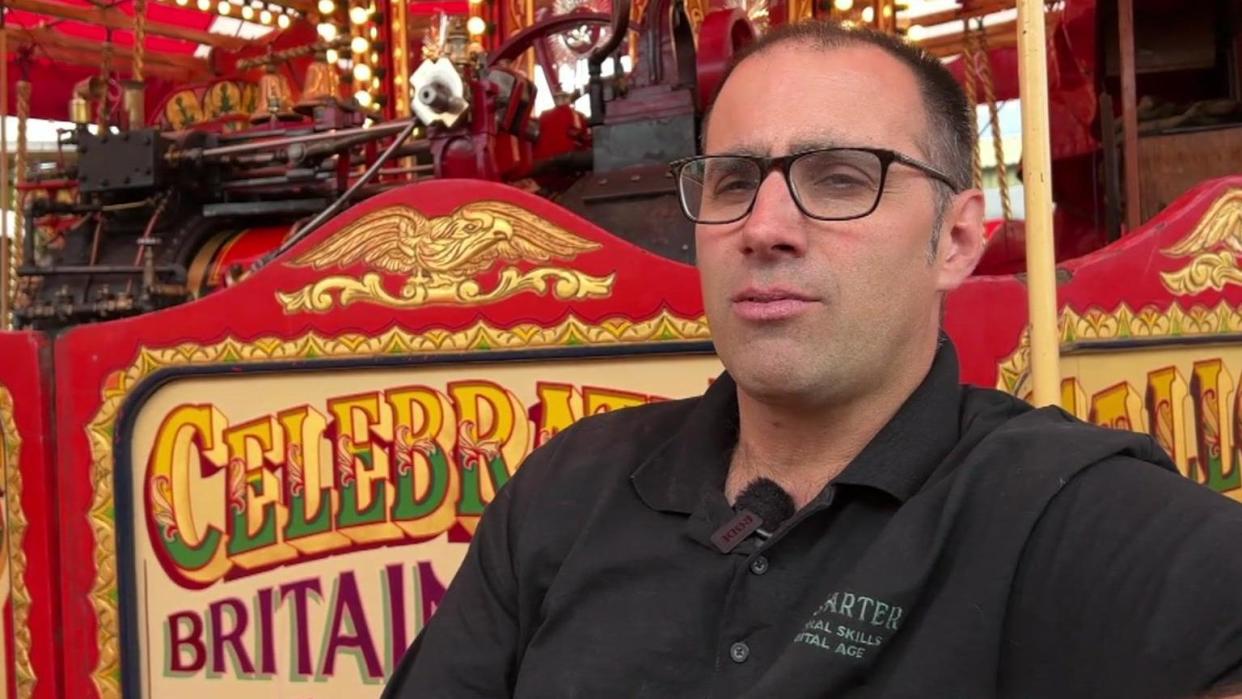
(803,449)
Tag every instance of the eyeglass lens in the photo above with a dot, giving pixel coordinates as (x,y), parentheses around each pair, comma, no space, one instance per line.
(831,184)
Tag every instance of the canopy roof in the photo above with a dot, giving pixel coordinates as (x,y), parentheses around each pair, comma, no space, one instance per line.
(58,43)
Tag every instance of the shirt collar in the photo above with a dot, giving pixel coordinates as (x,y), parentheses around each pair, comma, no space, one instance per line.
(898,460)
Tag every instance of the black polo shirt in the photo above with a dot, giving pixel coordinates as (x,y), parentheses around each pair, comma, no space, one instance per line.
(975,548)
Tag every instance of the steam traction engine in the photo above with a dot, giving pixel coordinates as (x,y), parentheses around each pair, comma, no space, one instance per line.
(139,218)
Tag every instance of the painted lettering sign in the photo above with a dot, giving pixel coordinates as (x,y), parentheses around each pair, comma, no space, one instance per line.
(1187,398)
(294,532)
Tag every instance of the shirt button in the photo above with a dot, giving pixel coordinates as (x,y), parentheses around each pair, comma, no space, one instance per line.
(739,652)
(759,566)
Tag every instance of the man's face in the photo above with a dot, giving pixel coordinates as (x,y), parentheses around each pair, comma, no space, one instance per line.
(806,311)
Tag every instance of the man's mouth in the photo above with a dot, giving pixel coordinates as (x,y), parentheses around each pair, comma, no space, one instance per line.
(770,304)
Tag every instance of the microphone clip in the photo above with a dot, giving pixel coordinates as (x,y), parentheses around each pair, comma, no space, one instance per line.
(735,531)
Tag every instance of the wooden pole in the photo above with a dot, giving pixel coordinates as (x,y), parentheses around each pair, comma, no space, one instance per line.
(1129,114)
(1045,347)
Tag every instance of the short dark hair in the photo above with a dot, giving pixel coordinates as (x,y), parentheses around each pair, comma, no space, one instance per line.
(951,129)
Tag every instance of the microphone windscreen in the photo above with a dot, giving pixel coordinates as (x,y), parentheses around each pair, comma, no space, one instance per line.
(768,500)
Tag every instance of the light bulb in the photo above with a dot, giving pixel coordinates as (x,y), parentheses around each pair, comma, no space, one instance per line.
(362,72)
(224,8)
(204,5)
(843,5)
(183,3)
(476,26)
(375,83)
(327,31)
(888,11)
(363,97)
(374,33)
(916,32)
(359,44)
(326,7)
(247,13)
(331,56)
(265,17)
(358,15)
(283,21)
(868,14)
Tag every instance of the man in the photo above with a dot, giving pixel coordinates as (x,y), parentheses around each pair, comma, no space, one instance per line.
(947,541)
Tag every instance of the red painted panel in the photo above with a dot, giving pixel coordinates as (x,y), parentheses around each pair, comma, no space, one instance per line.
(986,318)
(34,656)
(88,356)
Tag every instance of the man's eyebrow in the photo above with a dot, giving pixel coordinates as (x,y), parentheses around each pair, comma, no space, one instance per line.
(819,144)
(746,150)
(799,146)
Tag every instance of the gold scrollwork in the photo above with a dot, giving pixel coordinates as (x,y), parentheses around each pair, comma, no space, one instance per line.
(567,285)
(696,10)
(102,520)
(1211,270)
(663,327)
(1214,244)
(1096,325)
(441,258)
(15,531)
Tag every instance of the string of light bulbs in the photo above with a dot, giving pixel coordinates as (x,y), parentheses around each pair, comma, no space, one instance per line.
(477,24)
(361,64)
(257,11)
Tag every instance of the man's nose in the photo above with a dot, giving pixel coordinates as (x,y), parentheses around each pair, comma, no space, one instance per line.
(775,226)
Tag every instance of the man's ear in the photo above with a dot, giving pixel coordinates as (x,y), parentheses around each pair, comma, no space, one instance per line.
(961,239)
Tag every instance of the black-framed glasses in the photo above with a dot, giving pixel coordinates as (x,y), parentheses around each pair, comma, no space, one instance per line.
(829,184)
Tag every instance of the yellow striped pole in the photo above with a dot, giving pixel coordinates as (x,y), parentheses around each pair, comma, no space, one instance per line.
(1045,346)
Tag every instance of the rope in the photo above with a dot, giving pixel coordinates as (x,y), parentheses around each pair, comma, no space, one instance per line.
(971,77)
(19,177)
(8,284)
(140,35)
(989,90)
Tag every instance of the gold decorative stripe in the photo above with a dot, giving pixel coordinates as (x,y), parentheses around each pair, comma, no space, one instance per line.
(11,444)
(1098,325)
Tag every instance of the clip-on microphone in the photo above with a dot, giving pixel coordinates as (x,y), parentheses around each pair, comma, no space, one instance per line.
(761,509)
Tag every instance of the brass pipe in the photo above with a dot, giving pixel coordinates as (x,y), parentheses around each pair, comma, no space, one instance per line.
(135,104)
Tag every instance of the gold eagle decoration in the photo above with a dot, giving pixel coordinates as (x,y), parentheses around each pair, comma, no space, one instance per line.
(441,258)
(1215,244)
